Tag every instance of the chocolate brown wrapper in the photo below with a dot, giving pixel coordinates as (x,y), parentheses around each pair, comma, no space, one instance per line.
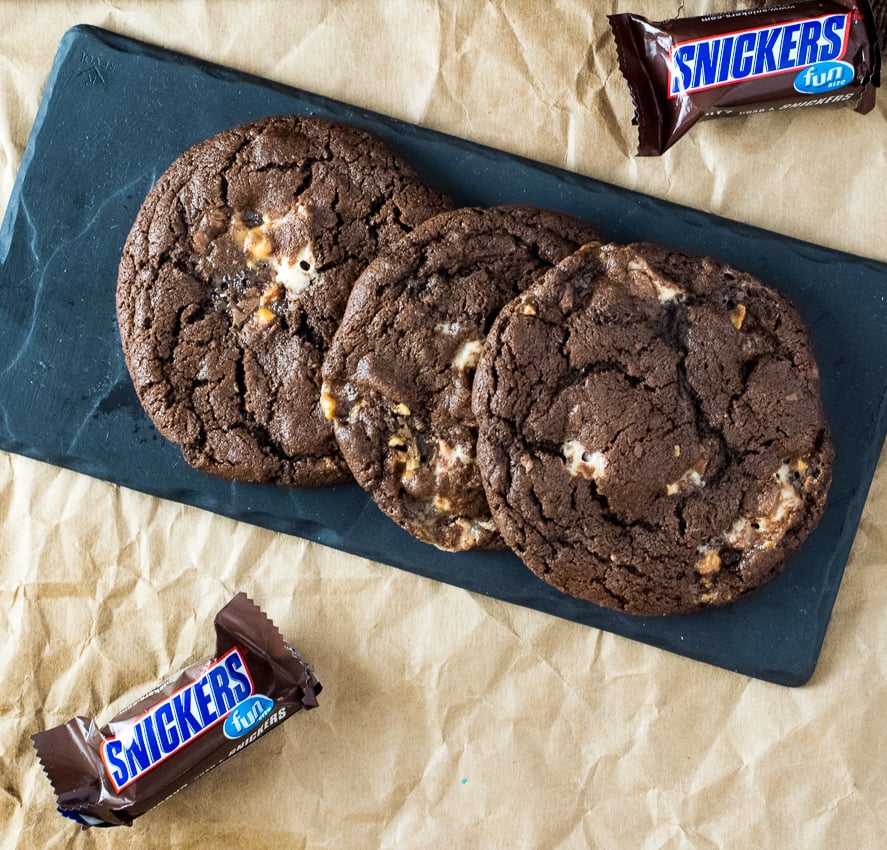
(786,57)
(184,727)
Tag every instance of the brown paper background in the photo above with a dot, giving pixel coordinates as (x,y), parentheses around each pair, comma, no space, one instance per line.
(447,719)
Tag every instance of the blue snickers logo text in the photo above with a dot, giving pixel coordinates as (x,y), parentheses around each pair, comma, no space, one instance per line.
(738,56)
(172,724)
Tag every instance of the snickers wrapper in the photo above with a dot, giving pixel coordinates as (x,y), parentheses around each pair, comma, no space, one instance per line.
(183,727)
(775,59)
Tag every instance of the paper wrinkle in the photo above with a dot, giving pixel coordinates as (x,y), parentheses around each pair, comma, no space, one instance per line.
(528,649)
(524,53)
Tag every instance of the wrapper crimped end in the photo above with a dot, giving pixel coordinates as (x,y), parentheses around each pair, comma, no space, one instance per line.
(234,628)
(648,117)
(69,760)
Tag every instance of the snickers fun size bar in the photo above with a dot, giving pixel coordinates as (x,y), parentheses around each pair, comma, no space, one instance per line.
(776,58)
(183,727)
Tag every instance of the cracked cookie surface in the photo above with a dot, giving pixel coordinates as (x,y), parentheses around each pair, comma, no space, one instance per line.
(234,278)
(651,435)
(397,380)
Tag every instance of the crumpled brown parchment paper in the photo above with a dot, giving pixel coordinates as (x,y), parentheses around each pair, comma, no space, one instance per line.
(447,719)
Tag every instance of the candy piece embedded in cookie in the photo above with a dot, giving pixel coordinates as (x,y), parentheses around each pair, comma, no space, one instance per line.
(651,435)
(234,279)
(397,379)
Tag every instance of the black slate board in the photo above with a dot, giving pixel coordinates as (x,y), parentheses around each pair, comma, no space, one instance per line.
(116,112)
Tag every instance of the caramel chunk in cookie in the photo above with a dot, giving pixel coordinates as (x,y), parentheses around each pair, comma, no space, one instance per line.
(235,277)
(651,436)
(401,367)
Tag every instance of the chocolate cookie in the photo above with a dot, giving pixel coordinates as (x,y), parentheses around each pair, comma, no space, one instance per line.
(651,435)
(397,380)
(234,279)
